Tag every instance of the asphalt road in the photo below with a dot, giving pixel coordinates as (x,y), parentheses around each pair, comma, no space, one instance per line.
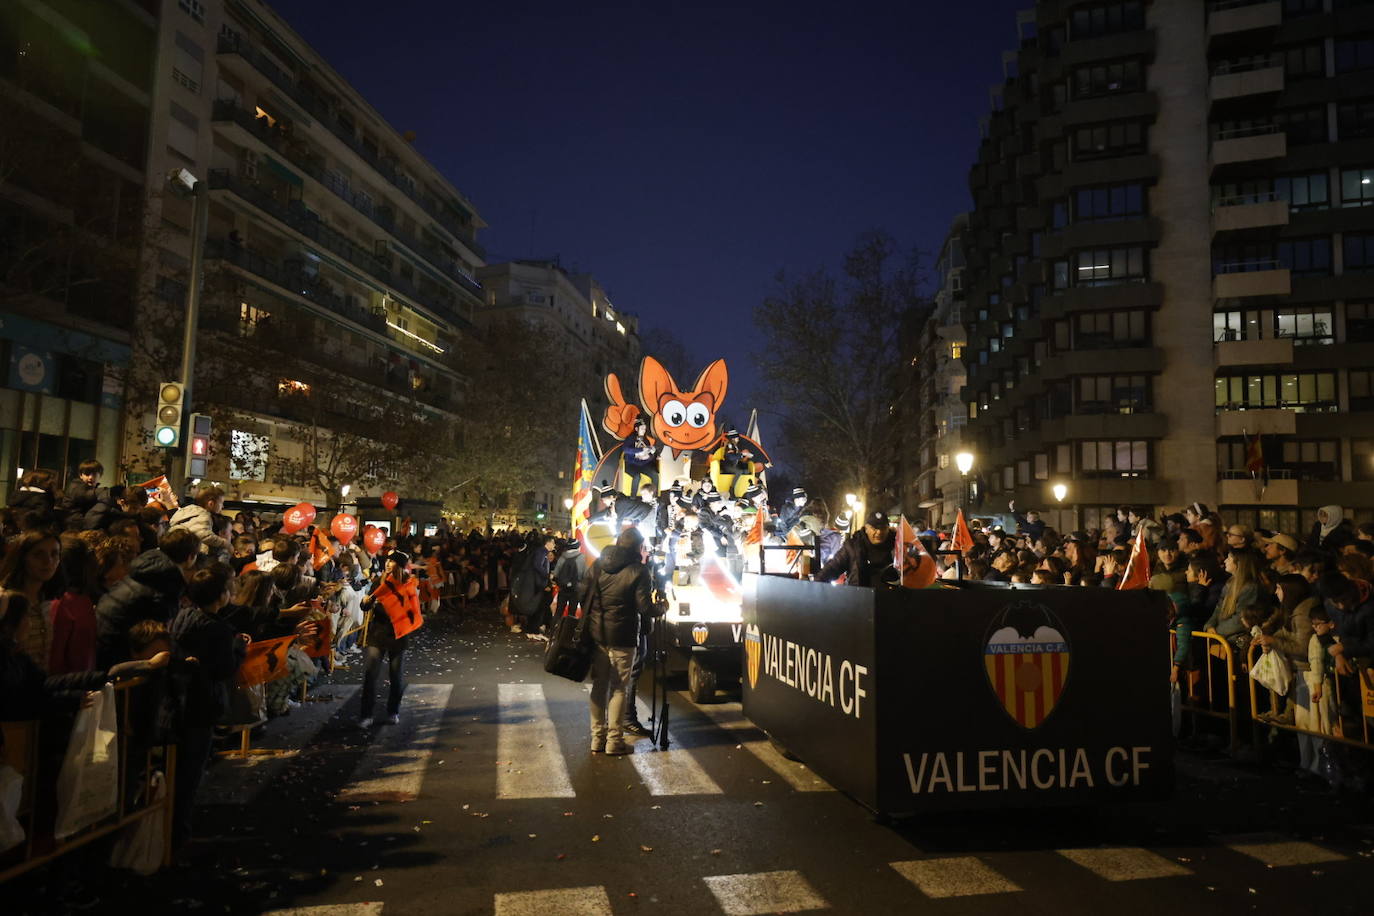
(485,799)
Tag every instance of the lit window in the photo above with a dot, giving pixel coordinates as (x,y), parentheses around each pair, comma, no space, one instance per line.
(288,387)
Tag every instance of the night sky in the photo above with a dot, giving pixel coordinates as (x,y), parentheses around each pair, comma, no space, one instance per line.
(683,153)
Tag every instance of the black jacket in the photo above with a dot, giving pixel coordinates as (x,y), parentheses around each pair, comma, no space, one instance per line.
(860,559)
(78,500)
(1336,538)
(567,572)
(202,687)
(151,591)
(615,593)
(27,693)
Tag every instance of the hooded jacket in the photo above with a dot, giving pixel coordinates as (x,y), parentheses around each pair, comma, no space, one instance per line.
(568,571)
(202,524)
(615,594)
(151,591)
(1331,537)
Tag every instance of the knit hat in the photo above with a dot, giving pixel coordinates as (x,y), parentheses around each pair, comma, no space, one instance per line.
(876,520)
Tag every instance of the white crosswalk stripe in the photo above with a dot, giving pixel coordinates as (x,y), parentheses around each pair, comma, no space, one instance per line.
(238,780)
(1277,853)
(730,717)
(529,759)
(671,772)
(331,909)
(393,766)
(959,876)
(765,892)
(566,901)
(1125,863)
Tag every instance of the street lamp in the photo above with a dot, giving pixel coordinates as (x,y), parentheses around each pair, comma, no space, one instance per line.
(1060,491)
(343,491)
(184,184)
(964,462)
(850,499)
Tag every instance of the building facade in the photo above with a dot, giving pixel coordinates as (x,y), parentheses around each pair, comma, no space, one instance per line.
(1171,261)
(341,266)
(592,338)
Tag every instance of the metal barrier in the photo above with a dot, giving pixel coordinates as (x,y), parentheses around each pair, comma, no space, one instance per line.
(1220,650)
(1364,681)
(21,750)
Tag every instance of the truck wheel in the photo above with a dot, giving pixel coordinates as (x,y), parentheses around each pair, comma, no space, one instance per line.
(701,681)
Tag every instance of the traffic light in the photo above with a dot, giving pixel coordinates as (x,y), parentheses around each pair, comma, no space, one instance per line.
(198,456)
(167,428)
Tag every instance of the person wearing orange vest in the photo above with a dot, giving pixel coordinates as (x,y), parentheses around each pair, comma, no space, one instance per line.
(393,613)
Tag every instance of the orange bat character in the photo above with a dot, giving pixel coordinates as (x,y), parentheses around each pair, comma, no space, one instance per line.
(680,419)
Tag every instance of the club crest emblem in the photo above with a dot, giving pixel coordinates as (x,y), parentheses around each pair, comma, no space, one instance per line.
(1027,660)
(753,654)
(699,634)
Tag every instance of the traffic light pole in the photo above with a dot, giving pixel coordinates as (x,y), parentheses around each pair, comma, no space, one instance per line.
(200,196)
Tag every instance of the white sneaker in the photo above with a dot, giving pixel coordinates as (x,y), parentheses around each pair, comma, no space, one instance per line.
(365,723)
(516,628)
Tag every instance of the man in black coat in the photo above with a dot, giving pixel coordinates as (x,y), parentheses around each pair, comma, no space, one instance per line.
(151,591)
(865,554)
(617,597)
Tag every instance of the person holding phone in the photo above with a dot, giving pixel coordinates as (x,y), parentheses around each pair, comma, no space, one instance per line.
(393,613)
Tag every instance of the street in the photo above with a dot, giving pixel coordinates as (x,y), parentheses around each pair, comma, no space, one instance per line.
(485,799)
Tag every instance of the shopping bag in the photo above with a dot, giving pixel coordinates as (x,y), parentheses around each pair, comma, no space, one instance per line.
(88,783)
(141,844)
(1273,672)
(11,795)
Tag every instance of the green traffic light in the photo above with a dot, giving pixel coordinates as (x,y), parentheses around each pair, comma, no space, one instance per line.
(166,435)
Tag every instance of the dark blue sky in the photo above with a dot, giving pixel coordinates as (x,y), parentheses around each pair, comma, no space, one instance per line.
(683,153)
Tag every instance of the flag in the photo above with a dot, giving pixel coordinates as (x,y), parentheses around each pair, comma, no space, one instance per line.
(320,644)
(1255,463)
(963,538)
(1137,574)
(584,468)
(264,662)
(755,533)
(917,566)
(751,432)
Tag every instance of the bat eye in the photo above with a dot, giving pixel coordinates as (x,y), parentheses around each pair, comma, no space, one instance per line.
(674,413)
(698,415)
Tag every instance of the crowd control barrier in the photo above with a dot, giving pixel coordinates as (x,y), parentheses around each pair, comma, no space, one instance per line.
(22,751)
(1211,689)
(1345,709)
(976,697)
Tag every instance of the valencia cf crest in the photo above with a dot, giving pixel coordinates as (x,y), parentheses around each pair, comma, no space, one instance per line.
(699,634)
(753,654)
(1026,655)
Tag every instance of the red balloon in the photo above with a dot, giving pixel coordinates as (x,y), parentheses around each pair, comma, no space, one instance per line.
(298,517)
(373,540)
(389,500)
(344,527)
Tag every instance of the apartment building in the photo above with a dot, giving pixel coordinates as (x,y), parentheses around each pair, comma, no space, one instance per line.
(1171,252)
(592,336)
(341,265)
(76,89)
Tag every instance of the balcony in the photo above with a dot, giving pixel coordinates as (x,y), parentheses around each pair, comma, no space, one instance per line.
(344,131)
(1228,17)
(1249,144)
(1273,352)
(1262,77)
(295,216)
(226,112)
(1270,422)
(1249,211)
(1247,492)
(1239,279)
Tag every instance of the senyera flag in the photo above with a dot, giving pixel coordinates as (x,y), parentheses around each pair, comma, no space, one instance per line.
(584,469)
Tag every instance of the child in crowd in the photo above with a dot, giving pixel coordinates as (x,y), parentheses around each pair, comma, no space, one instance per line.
(1322,672)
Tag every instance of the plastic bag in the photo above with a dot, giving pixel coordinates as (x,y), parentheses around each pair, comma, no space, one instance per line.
(141,844)
(88,783)
(11,794)
(1273,672)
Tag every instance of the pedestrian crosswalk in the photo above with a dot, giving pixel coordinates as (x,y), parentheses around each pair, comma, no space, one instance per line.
(393,767)
(529,761)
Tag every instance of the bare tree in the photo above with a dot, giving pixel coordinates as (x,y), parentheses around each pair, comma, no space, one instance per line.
(829,347)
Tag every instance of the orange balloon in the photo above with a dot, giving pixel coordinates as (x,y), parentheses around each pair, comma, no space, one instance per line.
(389,500)
(298,517)
(373,540)
(344,527)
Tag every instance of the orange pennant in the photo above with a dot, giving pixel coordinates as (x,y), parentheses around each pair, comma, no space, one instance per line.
(755,535)
(318,646)
(1137,573)
(917,566)
(265,662)
(963,538)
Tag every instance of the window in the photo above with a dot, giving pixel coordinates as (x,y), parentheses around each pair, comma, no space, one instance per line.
(1106,18)
(1305,257)
(187,63)
(1303,192)
(1102,141)
(1304,62)
(1354,54)
(1023,472)
(251,318)
(1112,202)
(1059,214)
(290,388)
(1304,392)
(1099,394)
(182,132)
(1361,389)
(1305,324)
(956,351)
(1359,322)
(1107,79)
(247,455)
(1114,458)
(1061,274)
(1063,458)
(196,10)
(1357,187)
(1110,330)
(1355,119)
(1108,266)
(1293,9)
(1362,459)
(1311,459)
(1358,248)
(1303,125)
(1242,257)
(1042,466)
